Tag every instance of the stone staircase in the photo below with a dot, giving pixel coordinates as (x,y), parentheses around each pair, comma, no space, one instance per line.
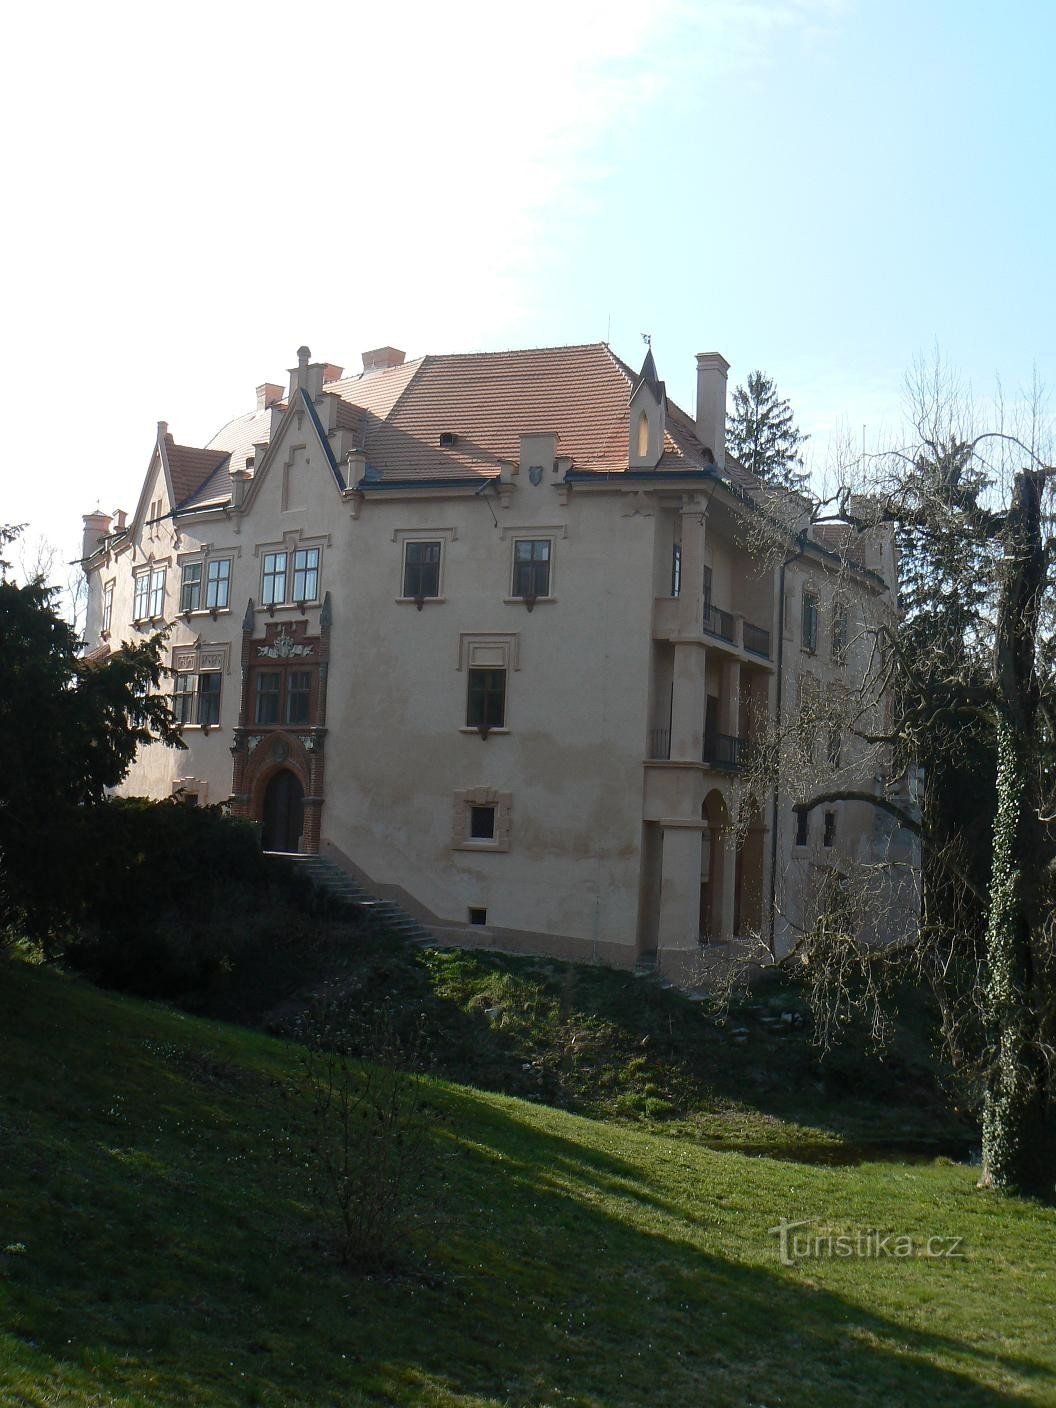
(336,883)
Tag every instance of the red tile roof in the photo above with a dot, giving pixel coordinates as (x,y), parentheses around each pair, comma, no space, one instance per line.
(190,467)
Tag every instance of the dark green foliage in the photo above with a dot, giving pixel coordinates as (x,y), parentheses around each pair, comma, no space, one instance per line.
(68,731)
(172,898)
(761,431)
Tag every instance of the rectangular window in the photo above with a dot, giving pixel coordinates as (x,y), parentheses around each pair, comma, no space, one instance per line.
(531,567)
(191,586)
(157,592)
(268,684)
(421,570)
(141,600)
(298,696)
(482,823)
(676,569)
(707,586)
(486,705)
(209,697)
(810,622)
(108,606)
(802,828)
(839,632)
(477,915)
(306,574)
(183,699)
(218,584)
(829,839)
(273,582)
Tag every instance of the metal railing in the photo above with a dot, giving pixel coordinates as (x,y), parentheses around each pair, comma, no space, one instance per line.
(718,622)
(659,743)
(722,750)
(756,640)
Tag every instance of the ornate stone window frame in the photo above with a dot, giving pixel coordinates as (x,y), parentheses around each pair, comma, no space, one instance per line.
(403,536)
(533,532)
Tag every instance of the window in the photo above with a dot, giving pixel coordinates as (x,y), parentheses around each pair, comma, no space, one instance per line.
(298,696)
(810,621)
(157,592)
(269,683)
(676,569)
(802,828)
(839,632)
(196,698)
(531,567)
(482,823)
(477,915)
(218,584)
(421,570)
(141,599)
(191,586)
(829,838)
(108,607)
(486,705)
(482,820)
(835,749)
(707,587)
(306,574)
(273,582)
(643,436)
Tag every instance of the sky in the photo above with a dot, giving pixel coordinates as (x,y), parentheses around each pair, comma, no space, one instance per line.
(828,190)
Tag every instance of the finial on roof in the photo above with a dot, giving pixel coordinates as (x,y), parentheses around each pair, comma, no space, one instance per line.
(163,427)
(304,355)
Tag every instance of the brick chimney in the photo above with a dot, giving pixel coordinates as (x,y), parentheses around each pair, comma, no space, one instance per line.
(381,359)
(331,372)
(268,392)
(711,403)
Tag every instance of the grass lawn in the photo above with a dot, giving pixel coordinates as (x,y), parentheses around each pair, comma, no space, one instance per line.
(160,1250)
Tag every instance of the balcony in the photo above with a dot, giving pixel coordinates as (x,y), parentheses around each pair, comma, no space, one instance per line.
(733,631)
(725,753)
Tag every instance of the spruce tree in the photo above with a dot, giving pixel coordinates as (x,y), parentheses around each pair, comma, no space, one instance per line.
(762,433)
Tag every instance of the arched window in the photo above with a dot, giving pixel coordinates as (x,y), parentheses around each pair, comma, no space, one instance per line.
(643,436)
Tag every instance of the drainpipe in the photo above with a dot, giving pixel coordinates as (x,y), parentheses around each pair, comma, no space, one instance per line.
(801,538)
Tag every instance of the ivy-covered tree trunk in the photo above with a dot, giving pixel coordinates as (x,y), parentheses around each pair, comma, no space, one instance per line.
(1016,1114)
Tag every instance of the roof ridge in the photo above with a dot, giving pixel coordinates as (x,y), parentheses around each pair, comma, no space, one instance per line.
(513,351)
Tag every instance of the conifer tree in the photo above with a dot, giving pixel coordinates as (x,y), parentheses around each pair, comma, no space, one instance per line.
(762,433)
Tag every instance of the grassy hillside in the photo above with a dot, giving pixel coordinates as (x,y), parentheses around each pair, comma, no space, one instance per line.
(160,1249)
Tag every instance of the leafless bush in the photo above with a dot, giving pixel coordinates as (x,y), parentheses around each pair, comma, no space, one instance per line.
(363,1133)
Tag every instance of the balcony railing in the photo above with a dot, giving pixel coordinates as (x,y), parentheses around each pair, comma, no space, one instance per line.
(756,640)
(725,752)
(660,743)
(718,622)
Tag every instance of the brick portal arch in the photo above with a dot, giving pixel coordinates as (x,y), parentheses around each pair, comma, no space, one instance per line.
(276,752)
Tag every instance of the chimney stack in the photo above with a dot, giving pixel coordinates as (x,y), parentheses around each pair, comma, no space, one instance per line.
(96,527)
(382,359)
(331,372)
(711,403)
(120,518)
(268,392)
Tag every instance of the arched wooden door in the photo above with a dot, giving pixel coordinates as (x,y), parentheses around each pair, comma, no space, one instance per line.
(283,812)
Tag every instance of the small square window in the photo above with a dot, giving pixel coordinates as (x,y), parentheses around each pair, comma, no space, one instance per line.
(482,823)
(477,915)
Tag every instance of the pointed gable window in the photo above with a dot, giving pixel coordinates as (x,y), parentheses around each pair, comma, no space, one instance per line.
(647,416)
(643,436)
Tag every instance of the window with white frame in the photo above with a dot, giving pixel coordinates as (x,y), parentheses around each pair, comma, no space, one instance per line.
(108,608)
(482,820)
(306,574)
(531,567)
(218,583)
(196,697)
(157,592)
(141,596)
(191,586)
(273,580)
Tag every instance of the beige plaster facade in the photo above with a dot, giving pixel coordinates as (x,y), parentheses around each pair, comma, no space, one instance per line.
(489,630)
